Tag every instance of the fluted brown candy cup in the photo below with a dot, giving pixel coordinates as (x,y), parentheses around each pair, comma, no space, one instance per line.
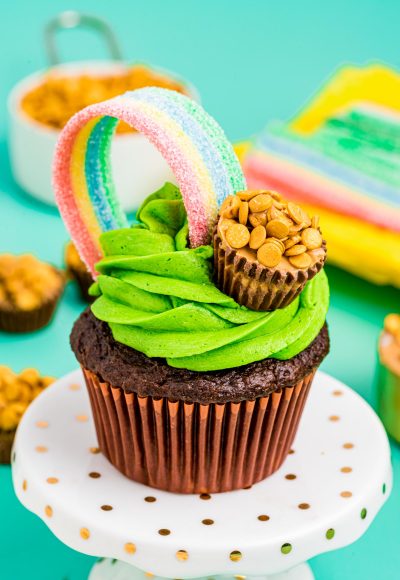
(239,274)
(190,432)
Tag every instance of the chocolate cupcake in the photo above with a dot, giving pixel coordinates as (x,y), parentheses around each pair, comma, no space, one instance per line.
(77,271)
(29,292)
(265,249)
(190,432)
(191,392)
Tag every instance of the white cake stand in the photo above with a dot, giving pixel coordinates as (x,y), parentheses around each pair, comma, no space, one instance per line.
(324,497)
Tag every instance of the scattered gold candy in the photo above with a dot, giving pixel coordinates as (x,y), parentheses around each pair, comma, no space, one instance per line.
(301,261)
(311,238)
(269,255)
(277,229)
(17,391)
(260,202)
(271,226)
(296,250)
(257,237)
(57,97)
(243,212)
(237,236)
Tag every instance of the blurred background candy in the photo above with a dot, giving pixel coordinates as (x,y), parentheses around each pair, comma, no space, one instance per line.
(341,156)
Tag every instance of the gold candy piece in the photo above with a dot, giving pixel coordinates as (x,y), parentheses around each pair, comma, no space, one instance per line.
(237,236)
(315,221)
(301,261)
(269,255)
(260,202)
(248,195)
(297,214)
(311,238)
(230,207)
(296,250)
(258,219)
(276,228)
(243,212)
(278,243)
(257,237)
(292,241)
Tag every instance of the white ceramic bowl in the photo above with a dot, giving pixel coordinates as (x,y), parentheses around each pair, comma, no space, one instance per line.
(138,168)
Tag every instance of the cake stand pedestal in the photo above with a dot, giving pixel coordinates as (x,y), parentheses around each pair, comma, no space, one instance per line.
(328,491)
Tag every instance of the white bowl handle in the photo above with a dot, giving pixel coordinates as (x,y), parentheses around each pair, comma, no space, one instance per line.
(71,19)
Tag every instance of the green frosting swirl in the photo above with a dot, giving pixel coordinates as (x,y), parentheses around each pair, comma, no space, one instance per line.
(158,297)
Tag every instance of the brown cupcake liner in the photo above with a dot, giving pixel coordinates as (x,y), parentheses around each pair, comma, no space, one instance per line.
(253,285)
(84,281)
(19,321)
(191,447)
(6,443)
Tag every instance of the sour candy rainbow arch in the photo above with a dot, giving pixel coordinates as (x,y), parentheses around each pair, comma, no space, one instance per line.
(198,152)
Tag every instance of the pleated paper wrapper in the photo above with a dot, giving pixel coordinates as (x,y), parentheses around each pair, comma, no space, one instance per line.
(253,285)
(191,447)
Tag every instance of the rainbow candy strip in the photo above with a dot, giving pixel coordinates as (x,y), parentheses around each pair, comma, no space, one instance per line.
(202,159)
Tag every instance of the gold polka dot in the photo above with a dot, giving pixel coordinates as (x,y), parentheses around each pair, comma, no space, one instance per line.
(48,511)
(164,532)
(74,387)
(94,450)
(348,445)
(263,518)
(334,418)
(85,534)
(248,487)
(207,522)
(107,508)
(291,451)
(41,449)
(150,499)
(94,474)
(337,393)
(205,496)
(149,575)
(290,476)
(52,480)
(240,577)
(346,469)
(346,494)
(182,555)
(82,418)
(42,424)
(304,506)
(24,485)
(235,556)
(130,548)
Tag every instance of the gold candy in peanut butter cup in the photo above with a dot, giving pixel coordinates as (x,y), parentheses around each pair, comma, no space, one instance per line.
(265,249)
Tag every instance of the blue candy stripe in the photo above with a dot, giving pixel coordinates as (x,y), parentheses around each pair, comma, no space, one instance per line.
(337,172)
(205,145)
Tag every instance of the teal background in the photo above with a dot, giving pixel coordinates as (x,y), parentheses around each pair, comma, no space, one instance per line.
(252,60)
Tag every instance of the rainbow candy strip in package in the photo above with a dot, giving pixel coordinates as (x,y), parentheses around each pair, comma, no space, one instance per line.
(341,156)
